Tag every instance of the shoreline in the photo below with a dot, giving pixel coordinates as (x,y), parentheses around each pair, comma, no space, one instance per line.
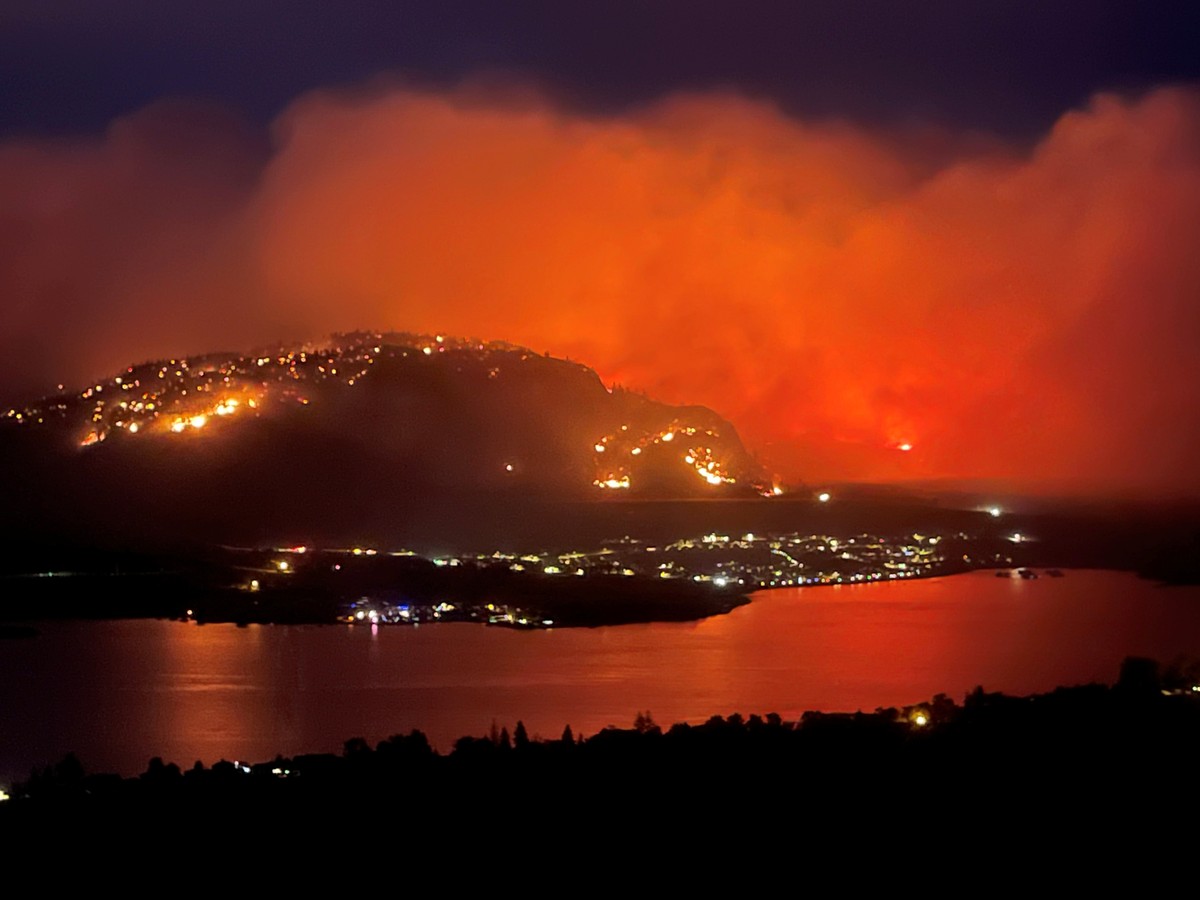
(637,602)
(454,681)
(1067,736)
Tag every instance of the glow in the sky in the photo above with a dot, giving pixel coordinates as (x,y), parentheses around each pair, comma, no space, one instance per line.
(1027,311)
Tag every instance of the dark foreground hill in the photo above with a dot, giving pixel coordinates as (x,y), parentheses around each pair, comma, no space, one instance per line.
(1066,770)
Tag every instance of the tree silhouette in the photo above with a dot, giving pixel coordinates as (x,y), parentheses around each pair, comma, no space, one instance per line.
(356,747)
(157,770)
(1139,676)
(643,723)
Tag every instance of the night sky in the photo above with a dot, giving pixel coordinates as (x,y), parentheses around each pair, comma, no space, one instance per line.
(968,227)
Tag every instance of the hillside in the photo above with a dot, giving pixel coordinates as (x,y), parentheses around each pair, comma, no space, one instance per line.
(367,432)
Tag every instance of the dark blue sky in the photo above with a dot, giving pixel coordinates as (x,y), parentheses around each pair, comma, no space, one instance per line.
(1002,65)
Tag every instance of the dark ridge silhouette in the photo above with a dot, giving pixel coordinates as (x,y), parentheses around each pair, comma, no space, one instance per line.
(1110,760)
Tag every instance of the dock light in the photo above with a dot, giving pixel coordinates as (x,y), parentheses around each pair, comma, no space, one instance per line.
(994,512)
(283,565)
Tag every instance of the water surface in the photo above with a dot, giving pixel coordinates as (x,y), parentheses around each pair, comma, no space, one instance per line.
(119,692)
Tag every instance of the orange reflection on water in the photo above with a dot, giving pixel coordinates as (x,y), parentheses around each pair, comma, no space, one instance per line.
(120,692)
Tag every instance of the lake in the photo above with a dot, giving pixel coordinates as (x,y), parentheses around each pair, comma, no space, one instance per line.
(119,692)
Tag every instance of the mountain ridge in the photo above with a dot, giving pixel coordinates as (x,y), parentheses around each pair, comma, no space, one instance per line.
(309,438)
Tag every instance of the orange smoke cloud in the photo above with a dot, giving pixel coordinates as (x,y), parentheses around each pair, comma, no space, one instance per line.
(1012,313)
